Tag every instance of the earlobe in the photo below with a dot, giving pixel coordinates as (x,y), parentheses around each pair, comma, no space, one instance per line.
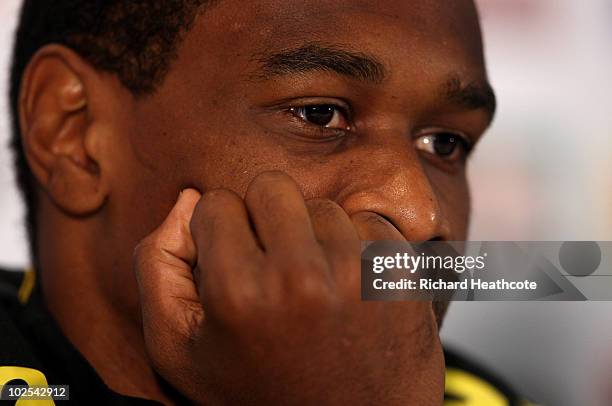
(56,127)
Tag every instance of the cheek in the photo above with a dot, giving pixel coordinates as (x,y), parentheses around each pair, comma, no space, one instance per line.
(180,149)
(452,191)
(200,146)
(205,155)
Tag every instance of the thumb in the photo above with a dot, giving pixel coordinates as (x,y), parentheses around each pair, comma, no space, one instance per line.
(163,264)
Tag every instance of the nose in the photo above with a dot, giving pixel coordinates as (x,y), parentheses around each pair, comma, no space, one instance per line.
(396,186)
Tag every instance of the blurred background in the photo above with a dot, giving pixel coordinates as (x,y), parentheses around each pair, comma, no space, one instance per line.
(544,172)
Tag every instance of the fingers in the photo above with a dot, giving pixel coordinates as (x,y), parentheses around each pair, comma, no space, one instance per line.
(295,250)
(340,237)
(163,266)
(228,253)
(332,226)
(337,235)
(221,225)
(373,227)
(237,276)
(297,270)
(279,213)
(297,273)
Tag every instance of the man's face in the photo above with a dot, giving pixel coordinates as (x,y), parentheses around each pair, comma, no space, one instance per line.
(368,103)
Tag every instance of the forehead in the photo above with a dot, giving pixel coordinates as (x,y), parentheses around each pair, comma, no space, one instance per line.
(422,46)
(392,29)
(310,16)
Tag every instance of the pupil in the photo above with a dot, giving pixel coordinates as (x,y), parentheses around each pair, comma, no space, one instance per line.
(320,115)
(445,144)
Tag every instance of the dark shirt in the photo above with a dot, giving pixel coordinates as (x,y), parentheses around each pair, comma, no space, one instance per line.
(31,340)
(34,351)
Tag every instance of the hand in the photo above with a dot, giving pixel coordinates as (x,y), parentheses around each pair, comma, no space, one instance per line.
(257,301)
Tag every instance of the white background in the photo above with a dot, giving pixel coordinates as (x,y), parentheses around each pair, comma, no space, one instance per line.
(544,172)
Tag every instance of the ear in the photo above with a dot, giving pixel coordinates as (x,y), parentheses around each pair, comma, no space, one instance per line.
(58,131)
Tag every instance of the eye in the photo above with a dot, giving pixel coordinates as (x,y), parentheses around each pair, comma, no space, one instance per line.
(443,144)
(323,115)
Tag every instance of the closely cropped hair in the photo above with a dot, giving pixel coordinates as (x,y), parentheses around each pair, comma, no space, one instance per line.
(135,39)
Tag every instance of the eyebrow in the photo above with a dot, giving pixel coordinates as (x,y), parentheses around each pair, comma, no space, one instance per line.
(317,57)
(365,68)
(472,96)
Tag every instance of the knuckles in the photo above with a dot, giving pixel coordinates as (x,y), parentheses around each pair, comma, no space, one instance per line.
(325,208)
(284,293)
(270,179)
(218,198)
(212,205)
(236,307)
(279,286)
(264,188)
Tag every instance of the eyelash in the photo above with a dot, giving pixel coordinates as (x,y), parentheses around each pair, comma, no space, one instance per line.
(298,112)
(342,109)
(426,143)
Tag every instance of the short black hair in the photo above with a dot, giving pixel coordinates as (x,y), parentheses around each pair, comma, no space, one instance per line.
(134,39)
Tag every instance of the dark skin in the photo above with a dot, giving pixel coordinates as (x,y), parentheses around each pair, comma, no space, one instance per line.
(248,291)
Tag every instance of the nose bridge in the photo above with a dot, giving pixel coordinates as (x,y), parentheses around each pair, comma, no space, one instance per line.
(399,190)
